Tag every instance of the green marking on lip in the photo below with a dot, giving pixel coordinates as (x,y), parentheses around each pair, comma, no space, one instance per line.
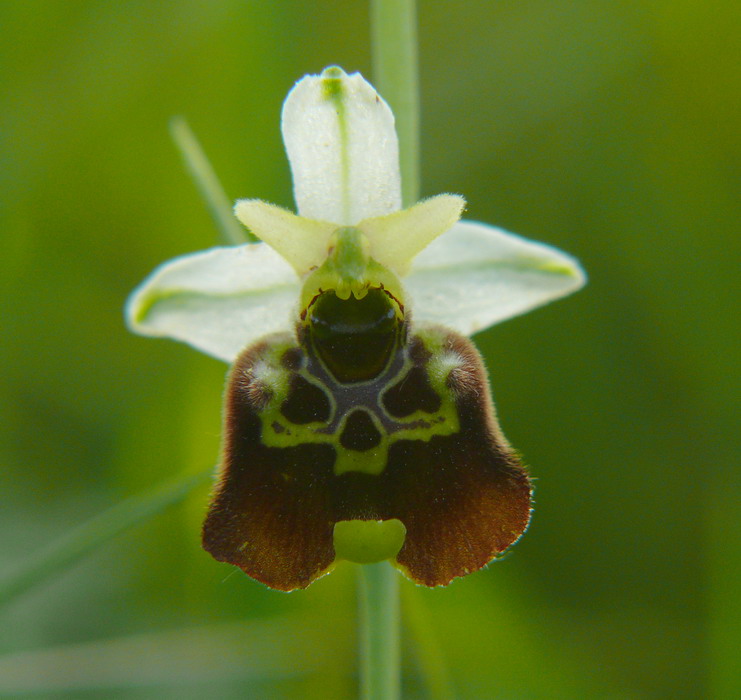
(368,541)
(278,431)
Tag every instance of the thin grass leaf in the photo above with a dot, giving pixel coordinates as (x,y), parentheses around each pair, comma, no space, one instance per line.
(208,183)
(244,651)
(86,538)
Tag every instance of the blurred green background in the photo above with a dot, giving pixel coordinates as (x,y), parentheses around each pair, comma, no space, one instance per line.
(609,129)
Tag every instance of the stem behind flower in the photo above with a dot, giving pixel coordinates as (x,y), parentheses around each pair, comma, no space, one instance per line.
(395,72)
(396,76)
(378,586)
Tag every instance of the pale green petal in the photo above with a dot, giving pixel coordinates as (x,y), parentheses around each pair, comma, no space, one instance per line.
(476,275)
(302,242)
(218,301)
(395,239)
(342,145)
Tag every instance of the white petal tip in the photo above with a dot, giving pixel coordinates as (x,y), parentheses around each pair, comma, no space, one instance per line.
(333,72)
(566,266)
(342,145)
(476,275)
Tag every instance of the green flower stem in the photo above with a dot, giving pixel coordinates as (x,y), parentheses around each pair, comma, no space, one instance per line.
(394,50)
(426,644)
(395,75)
(84,539)
(379,624)
(208,183)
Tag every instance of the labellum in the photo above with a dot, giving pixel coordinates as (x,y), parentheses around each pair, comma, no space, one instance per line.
(362,436)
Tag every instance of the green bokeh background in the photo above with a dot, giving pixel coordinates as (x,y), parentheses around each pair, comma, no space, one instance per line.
(609,129)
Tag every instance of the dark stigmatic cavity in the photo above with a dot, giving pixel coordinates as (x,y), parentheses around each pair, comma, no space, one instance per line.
(354,337)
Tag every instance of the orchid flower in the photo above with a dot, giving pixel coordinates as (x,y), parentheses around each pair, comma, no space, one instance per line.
(358,422)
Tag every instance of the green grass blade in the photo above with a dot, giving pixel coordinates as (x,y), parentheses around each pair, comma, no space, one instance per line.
(208,183)
(203,659)
(87,537)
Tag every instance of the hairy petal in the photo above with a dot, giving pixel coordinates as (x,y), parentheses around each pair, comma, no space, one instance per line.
(302,242)
(218,300)
(476,275)
(395,239)
(342,145)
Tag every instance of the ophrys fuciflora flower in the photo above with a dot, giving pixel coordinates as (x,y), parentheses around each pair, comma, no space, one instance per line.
(358,422)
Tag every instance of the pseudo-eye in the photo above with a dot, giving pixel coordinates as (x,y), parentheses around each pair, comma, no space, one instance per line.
(358,423)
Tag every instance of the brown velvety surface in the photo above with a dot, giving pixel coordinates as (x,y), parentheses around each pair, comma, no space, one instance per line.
(270,514)
(463,498)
